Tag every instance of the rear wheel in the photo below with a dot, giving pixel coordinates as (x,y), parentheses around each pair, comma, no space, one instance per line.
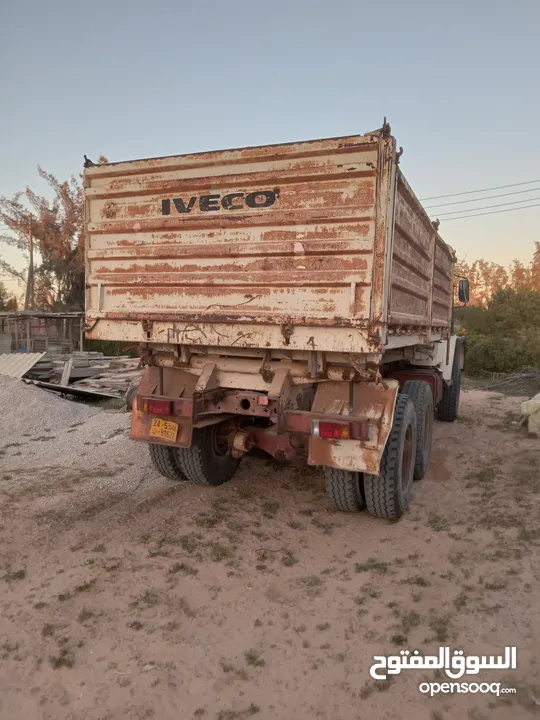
(388,494)
(447,409)
(206,462)
(165,461)
(420,393)
(344,489)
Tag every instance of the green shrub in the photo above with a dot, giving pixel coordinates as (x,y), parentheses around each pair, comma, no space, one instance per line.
(505,335)
(110,347)
(499,354)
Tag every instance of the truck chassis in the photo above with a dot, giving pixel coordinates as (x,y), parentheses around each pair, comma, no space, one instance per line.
(368,424)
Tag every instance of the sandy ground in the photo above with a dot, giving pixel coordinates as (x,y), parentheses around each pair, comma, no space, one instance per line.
(124,595)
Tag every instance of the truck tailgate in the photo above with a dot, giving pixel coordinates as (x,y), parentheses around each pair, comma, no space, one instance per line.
(268,246)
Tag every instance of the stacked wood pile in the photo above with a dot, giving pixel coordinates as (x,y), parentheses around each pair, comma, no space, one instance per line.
(114,376)
(92,371)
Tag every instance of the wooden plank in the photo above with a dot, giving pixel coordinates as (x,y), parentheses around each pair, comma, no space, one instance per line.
(66,372)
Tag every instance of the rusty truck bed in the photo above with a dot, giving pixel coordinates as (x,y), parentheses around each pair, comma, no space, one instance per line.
(318,245)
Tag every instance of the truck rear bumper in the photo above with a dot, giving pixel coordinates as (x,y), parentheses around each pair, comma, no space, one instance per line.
(359,414)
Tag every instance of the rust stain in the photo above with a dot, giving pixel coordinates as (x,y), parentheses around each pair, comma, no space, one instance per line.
(137,211)
(110,210)
(291,174)
(226,317)
(268,265)
(319,232)
(379,246)
(227,248)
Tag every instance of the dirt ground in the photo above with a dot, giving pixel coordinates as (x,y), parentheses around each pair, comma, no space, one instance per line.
(124,595)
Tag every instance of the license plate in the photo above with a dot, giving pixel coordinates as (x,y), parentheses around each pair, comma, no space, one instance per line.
(164,429)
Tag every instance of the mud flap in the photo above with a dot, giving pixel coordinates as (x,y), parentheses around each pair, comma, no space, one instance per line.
(373,403)
(177,385)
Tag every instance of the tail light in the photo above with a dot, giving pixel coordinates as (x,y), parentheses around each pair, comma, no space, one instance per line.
(331,430)
(354,430)
(157,407)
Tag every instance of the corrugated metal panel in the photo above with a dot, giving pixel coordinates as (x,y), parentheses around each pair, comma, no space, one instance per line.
(421,272)
(443,284)
(15,365)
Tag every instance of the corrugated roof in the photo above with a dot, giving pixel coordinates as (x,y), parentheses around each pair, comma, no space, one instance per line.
(15,365)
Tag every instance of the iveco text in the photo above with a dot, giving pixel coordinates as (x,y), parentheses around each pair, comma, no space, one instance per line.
(232,201)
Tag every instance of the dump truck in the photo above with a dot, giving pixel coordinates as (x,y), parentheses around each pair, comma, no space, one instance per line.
(294,298)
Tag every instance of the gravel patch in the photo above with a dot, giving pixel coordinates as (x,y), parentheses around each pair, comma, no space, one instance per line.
(43,431)
(35,411)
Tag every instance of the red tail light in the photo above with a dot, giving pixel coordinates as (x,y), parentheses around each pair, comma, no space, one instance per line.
(157,407)
(328,430)
(336,431)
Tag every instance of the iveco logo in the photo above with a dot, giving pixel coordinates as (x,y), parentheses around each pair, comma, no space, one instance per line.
(232,201)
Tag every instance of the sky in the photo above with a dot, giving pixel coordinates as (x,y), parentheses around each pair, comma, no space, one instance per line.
(458,81)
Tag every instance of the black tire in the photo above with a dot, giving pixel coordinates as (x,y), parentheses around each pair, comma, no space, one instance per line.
(420,393)
(388,494)
(344,489)
(206,462)
(447,409)
(165,461)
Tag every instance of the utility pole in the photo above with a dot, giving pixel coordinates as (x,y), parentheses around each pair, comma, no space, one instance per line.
(29,297)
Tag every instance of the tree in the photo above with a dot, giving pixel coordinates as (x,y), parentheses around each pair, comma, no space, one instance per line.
(7,301)
(57,224)
(485,279)
(535,267)
(520,276)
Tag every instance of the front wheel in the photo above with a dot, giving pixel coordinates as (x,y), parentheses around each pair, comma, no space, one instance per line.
(447,409)
(388,494)
(206,461)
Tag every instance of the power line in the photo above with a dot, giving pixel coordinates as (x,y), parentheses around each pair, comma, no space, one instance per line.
(493,212)
(471,192)
(489,197)
(486,207)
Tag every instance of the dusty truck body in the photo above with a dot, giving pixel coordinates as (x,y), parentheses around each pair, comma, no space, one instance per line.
(294,298)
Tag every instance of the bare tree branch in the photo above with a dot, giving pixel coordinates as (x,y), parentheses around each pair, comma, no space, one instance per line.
(12,272)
